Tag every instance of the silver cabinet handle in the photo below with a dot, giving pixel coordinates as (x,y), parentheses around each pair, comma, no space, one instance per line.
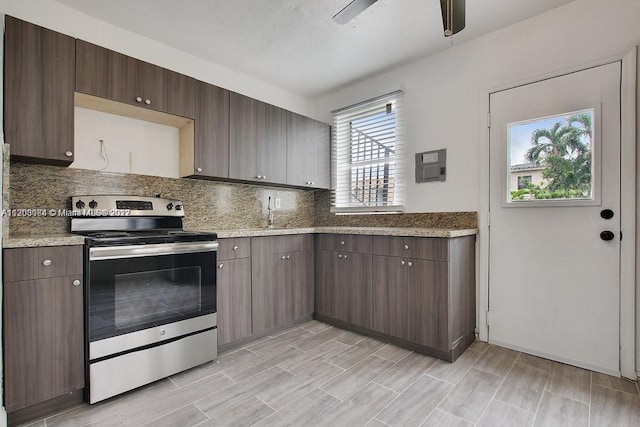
(402,262)
(198,169)
(138,99)
(339,255)
(406,246)
(410,264)
(147,101)
(162,332)
(68,153)
(76,282)
(259,177)
(235,248)
(220,266)
(288,256)
(283,257)
(264,176)
(342,242)
(46,262)
(312,183)
(345,256)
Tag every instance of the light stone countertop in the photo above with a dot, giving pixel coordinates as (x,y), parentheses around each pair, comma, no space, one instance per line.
(27,241)
(375,231)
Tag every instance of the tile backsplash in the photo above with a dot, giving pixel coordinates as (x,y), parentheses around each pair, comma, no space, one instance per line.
(209,205)
(450,220)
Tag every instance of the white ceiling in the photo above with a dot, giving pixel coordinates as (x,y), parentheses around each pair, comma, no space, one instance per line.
(294,44)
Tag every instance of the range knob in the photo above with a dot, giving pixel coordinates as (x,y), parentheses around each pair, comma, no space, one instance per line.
(170,206)
(80,204)
(93,204)
(178,207)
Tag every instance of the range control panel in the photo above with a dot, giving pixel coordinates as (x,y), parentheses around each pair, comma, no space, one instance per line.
(125,206)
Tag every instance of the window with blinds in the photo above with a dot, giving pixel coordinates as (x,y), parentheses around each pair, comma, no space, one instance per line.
(367,156)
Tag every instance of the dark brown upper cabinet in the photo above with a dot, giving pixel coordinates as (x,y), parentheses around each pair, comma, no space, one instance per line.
(257,141)
(209,156)
(107,74)
(308,152)
(39,70)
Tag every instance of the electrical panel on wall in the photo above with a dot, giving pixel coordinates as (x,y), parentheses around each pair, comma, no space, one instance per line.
(431,166)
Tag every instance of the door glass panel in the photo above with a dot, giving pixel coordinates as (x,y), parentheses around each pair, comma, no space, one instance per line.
(152,296)
(551,158)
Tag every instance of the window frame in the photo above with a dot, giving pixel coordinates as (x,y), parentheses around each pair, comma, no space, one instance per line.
(388,157)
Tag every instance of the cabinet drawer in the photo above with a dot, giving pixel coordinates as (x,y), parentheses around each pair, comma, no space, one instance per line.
(234,248)
(41,263)
(428,248)
(295,243)
(345,243)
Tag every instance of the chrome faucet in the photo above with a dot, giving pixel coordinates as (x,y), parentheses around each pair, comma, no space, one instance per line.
(270,223)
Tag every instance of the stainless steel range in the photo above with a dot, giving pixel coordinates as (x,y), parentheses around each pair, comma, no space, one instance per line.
(150,292)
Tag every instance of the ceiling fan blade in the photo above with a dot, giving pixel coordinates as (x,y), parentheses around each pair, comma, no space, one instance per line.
(352,10)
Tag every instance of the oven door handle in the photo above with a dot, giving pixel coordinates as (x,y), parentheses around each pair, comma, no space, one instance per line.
(136,251)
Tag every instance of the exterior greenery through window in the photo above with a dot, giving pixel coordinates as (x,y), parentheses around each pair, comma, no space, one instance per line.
(557,160)
(367,154)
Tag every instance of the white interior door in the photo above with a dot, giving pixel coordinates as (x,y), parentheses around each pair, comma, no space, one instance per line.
(554,281)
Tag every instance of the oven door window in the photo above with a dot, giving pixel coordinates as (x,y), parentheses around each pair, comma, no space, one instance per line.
(127,295)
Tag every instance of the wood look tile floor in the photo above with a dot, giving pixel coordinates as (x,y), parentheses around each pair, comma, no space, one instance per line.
(316,374)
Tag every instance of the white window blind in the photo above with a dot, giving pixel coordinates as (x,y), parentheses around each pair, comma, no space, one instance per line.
(367,156)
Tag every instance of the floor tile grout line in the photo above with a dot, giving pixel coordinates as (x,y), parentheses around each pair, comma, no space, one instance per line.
(384,387)
(565,397)
(260,400)
(615,389)
(449,413)
(380,421)
(497,389)
(163,415)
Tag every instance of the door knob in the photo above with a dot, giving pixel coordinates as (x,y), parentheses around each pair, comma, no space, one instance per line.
(198,169)
(607,235)
(68,153)
(147,101)
(76,282)
(221,266)
(606,214)
(138,99)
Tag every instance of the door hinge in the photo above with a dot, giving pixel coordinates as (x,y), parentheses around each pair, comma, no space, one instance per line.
(488,318)
(488,120)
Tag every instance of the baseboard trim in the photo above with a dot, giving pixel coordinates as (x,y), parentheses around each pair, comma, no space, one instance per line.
(448,356)
(225,348)
(46,408)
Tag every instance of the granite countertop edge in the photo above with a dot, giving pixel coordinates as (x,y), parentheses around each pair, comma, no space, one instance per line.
(26,241)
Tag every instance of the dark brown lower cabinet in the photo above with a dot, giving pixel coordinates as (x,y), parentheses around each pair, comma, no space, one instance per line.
(234,300)
(390,297)
(43,340)
(282,280)
(343,286)
(417,292)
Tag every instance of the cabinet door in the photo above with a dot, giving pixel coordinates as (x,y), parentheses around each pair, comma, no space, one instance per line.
(428,303)
(39,79)
(43,340)
(354,299)
(390,297)
(302,273)
(176,94)
(103,73)
(271,284)
(308,152)
(326,283)
(211,131)
(243,161)
(272,143)
(234,300)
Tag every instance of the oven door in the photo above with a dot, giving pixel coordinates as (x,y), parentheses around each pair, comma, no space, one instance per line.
(134,288)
